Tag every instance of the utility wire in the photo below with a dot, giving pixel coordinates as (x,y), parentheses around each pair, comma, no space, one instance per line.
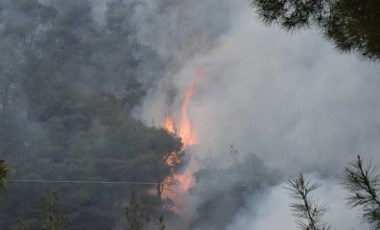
(89,182)
(115,182)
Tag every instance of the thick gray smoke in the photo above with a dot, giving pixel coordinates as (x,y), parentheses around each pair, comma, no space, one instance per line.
(290,99)
(269,104)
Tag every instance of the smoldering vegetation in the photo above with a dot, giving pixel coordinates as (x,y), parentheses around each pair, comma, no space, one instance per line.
(85,87)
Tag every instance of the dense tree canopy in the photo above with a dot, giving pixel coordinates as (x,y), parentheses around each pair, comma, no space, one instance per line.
(68,86)
(352,25)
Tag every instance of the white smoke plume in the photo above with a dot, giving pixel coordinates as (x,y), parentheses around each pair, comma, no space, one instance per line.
(271,210)
(290,99)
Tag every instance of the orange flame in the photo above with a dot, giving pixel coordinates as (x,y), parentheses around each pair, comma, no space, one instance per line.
(188,137)
(169,124)
(185,179)
(186,132)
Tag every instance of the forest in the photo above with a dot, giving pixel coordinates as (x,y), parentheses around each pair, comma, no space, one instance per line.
(113,113)
(67,91)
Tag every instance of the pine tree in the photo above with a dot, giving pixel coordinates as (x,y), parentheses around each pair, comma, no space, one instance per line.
(352,25)
(306,209)
(363,182)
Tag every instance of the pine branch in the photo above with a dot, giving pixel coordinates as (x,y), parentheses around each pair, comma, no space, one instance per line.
(362,183)
(307,210)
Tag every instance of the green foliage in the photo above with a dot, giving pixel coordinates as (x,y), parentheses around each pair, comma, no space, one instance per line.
(53,218)
(4,170)
(24,225)
(359,180)
(136,218)
(352,25)
(68,87)
(362,182)
(306,209)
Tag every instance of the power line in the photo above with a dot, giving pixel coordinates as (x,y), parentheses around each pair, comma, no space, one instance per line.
(118,182)
(89,182)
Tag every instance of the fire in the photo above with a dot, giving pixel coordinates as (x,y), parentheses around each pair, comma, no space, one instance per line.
(186,180)
(169,125)
(186,133)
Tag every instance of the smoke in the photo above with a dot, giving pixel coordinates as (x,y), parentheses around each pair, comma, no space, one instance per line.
(283,103)
(293,97)
(290,99)
(270,210)
(286,102)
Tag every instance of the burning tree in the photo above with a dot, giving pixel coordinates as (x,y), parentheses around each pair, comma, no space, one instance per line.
(182,128)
